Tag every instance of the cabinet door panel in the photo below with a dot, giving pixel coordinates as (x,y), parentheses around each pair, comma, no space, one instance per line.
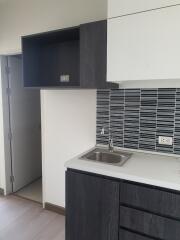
(149,224)
(144,46)
(92,207)
(93,55)
(123,7)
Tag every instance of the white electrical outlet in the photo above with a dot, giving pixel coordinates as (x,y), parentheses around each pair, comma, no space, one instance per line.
(64,78)
(165,140)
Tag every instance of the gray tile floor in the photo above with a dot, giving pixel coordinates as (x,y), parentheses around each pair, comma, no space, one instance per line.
(32,191)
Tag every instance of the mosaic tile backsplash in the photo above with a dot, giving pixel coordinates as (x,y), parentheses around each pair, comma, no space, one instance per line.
(135,118)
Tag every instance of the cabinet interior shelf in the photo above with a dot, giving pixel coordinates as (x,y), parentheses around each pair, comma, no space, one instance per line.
(49,56)
(67,58)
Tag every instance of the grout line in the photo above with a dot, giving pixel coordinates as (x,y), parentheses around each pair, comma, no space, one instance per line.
(140,106)
(110,114)
(175,107)
(124,92)
(157,104)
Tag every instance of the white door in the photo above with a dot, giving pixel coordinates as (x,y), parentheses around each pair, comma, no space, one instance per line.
(25,122)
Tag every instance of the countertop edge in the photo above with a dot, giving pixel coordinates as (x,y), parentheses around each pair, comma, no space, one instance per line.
(90,167)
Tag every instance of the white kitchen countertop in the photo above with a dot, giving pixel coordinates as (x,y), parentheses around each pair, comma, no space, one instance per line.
(148,168)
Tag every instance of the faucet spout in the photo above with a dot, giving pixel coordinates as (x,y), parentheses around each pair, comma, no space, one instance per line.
(111,147)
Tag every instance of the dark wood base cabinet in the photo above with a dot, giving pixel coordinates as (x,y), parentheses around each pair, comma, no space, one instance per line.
(102,208)
(127,235)
(92,207)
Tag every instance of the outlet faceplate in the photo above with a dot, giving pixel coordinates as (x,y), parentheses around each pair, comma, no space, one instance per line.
(165,140)
(64,78)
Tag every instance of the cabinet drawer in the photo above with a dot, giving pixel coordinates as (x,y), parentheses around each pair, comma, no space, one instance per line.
(153,200)
(149,224)
(125,235)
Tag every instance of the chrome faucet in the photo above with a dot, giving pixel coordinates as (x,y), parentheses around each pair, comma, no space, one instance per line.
(111,147)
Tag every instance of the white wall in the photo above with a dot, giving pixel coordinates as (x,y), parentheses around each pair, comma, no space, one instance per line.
(68,129)
(22,17)
(65,132)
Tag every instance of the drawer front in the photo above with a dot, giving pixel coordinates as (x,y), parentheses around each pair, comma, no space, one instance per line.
(125,235)
(153,200)
(149,224)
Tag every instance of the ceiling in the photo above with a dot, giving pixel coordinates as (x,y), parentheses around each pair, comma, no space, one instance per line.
(2,1)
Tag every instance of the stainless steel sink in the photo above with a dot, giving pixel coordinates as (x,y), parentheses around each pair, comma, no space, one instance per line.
(104,156)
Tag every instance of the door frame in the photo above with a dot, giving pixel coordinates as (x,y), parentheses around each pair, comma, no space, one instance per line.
(6,124)
(7,121)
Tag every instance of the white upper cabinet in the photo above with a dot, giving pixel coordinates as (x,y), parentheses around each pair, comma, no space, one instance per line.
(144,46)
(123,7)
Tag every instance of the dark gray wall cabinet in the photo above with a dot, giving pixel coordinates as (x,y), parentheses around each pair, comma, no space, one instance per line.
(68,58)
(99,208)
(93,55)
